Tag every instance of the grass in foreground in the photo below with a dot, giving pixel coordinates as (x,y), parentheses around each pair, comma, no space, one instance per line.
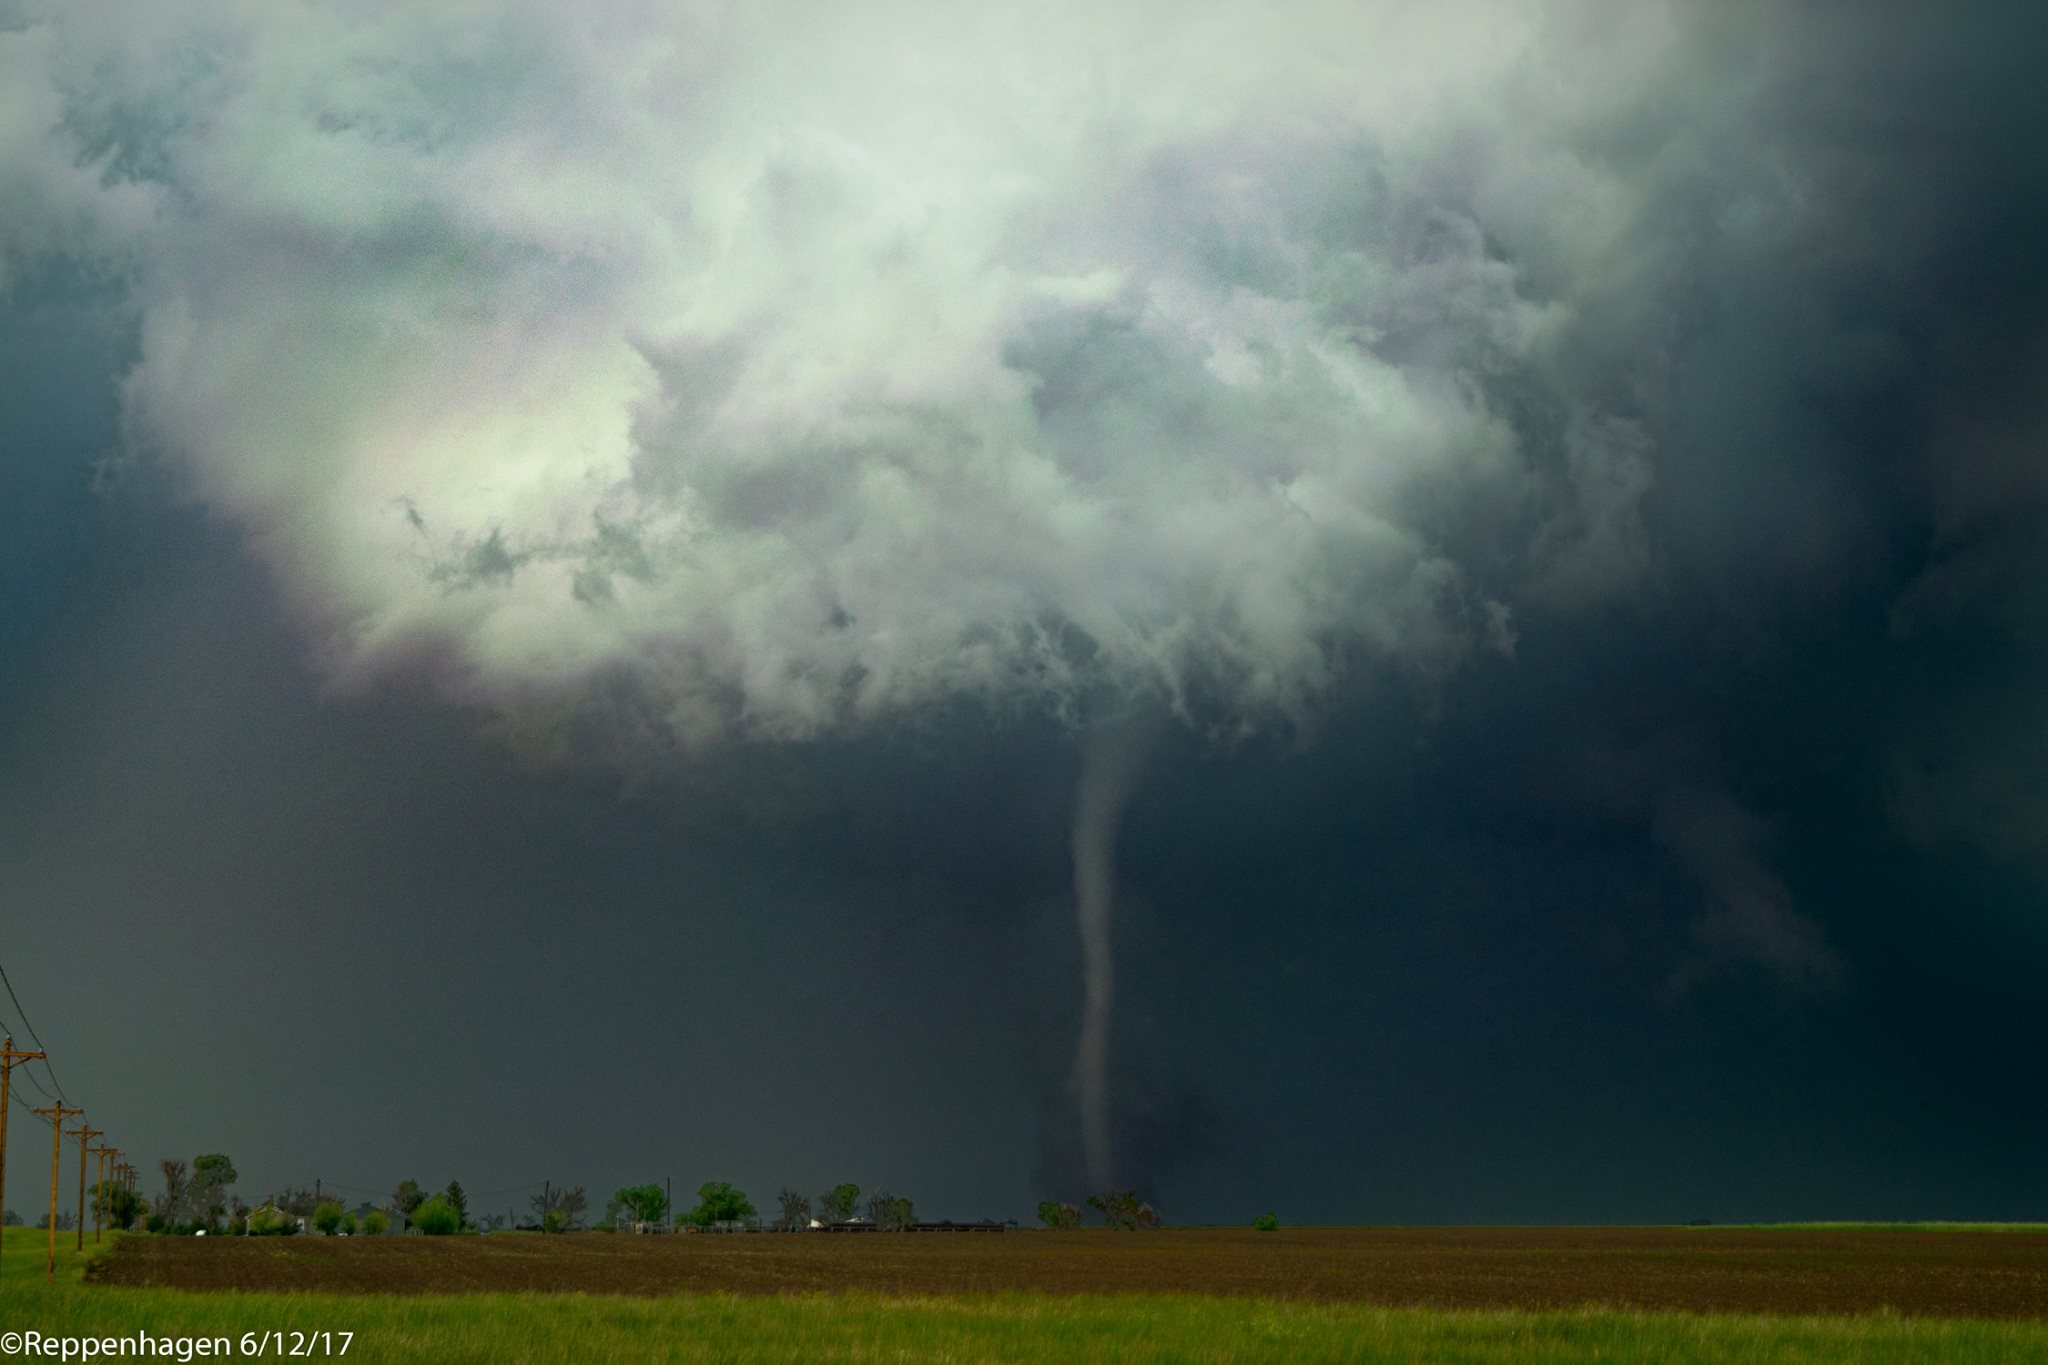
(543,1329)
(1873,1227)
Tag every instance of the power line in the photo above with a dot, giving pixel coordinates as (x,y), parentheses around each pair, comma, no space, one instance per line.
(27,1024)
(17,1007)
(30,1075)
(332,1185)
(26,1071)
(10,1057)
(58,1113)
(365,1189)
(509,1189)
(38,1084)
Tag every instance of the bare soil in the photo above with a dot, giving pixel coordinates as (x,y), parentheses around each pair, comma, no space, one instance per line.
(1913,1272)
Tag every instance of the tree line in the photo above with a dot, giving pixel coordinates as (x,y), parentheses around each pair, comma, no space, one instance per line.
(1121,1210)
(199,1196)
(720,1204)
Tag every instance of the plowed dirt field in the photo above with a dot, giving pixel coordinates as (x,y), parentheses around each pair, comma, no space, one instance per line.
(1914,1272)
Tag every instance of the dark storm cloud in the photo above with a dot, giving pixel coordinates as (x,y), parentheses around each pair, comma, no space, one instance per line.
(1630,796)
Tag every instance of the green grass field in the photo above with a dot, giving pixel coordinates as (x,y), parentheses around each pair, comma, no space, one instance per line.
(1878,1227)
(586,1328)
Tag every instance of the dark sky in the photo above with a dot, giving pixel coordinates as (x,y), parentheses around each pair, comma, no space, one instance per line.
(1626,803)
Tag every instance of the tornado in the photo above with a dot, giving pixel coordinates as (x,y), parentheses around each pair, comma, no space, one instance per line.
(1111,758)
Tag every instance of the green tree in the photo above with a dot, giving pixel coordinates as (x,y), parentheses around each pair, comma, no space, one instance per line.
(327,1216)
(122,1205)
(404,1200)
(889,1213)
(268,1221)
(719,1202)
(647,1203)
(837,1204)
(376,1223)
(436,1217)
(212,1175)
(348,1223)
(1124,1211)
(1054,1214)
(1267,1222)
(896,1214)
(460,1201)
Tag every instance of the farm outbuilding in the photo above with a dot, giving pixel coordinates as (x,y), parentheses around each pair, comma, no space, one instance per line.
(948,1225)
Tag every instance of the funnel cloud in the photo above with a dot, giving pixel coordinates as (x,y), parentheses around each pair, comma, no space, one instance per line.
(1112,756)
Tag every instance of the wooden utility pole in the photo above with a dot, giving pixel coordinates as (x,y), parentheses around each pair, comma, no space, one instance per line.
(9,1059)
(56,1113)
(84,1135)
(104,1154)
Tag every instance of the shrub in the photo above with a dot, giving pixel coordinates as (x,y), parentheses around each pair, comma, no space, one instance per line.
(1054,1214)
(437,1217)
(1267,1222)
(265,1222)
(348,1223)
(376,1223)
(156,1223)
(327,1216)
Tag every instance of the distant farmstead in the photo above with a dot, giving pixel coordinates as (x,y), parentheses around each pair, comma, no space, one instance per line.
(940,1225)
